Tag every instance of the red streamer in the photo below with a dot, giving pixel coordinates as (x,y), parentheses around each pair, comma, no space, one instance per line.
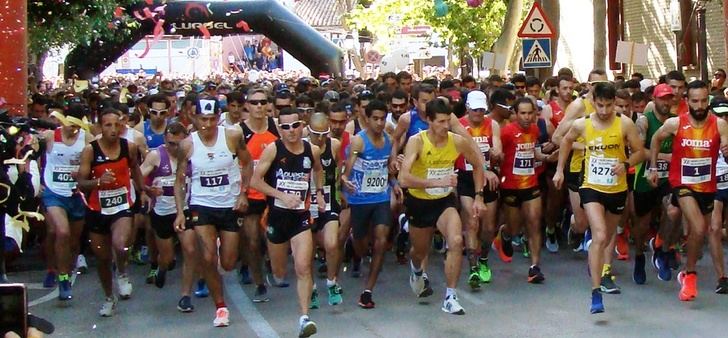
(205,32)
(243,25)
(146,49)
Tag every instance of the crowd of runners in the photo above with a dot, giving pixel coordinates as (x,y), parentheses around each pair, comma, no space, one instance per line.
(242,176)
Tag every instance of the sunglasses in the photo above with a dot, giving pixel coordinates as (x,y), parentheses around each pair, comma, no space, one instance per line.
(157,112)
(482,110)
(281,106)
(304,110)
(504,106)
(319,133)
(288,126)
(258,102)
(401,105)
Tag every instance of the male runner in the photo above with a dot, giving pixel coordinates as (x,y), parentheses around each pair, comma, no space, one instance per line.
(220,169)
(604,189)
(153,128)
(108,166)
(284,173)
(428,173)
(697,139)
(64,208)
(366,181)
(719,107)
(235,107)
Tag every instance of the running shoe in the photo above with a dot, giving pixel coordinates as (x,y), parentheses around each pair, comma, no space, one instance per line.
(576,240)
(64,290)
(365,300)
(136,257)
(81,266)
(222,317)
(503,248)
(335,295)
(664,273)
(245,275)
(144,254)
(452,306)
(673,259)
(484,270)
(50,280)
(151,275)
(161,278)
(125,287)
(438,243)
(722,287)
(417,283)
(525,250)
(185,304)
(306,328)
(621,247)
(428,290)
(107,308)
(639,275)
(688,286)
(656,251)
(552,245)
(261,294)
(597,304)
(314,304)
(534,275)
(587,240)
(474,278)
(607,285)
(277,283)
(356,268)
(202,290)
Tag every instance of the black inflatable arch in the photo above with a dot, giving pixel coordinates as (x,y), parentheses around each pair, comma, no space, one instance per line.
(267,17)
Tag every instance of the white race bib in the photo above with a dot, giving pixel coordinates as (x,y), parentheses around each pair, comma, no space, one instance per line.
(298,188)
(485,150)
(601,171)
(723,181)
(696,170)
(314,201)
(663,169)
(215,181)
(523,163)
(62,176)
(436,174)
(374,180)
(113,201)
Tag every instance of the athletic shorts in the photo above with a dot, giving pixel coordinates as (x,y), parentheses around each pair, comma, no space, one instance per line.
(646,201)
(722,195)
(255,207)
(573,180)
(704,199)
(73,205)
(542,184)
(164,225)
(425,213)
(101,224)
(364,216)
(612,202)
(286,224)
(323,219)
(466,187)
(516,197)
(224,219)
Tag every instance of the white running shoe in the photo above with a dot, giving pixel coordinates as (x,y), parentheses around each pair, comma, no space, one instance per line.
(417,283)
(81,266)
(125,287)
(452,306)
(222,317)
(307,327)
(107,308)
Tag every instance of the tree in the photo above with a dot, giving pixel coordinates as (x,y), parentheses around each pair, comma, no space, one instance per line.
(600,34)
(506,43)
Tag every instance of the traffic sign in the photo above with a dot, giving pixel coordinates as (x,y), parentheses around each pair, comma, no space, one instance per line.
(373,57)
(536,53)
(193,53)
(536,25)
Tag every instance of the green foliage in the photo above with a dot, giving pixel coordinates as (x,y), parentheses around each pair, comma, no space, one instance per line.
(55,23)
(467,29)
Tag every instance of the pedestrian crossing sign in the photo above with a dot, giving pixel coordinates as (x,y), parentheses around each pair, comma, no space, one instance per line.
(536,53)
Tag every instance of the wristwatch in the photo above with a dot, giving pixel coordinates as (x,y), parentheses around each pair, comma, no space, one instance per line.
(481,193)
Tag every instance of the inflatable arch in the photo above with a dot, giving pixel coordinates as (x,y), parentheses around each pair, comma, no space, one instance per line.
(196,18)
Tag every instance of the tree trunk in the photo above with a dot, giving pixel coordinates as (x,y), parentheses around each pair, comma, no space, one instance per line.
(725,33)
(600,34)
(506,43)
(552,9)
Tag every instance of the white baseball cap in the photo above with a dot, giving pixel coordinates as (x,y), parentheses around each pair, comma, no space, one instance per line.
(477,100)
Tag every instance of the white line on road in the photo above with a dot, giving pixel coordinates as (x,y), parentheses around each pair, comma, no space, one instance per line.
(242,302)
(52,294)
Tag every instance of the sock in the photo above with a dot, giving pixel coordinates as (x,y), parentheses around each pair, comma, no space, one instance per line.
(63,277)
(330,282)
(449,292)
(533,266)
(300,320)
(367,291)
(606,269)
(595,290)
(220,304)
(278,280)
(417,271)
(620,230)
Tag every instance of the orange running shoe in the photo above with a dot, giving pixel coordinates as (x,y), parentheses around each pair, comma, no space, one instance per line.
(503,248)
(688,286)
(622,247)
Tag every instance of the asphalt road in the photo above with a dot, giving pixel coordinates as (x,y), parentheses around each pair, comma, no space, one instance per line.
(507,307)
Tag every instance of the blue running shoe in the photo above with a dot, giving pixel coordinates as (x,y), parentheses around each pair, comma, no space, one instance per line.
(202,290)
(64,290)
(639,275)
(50,280)
(597,305)
(664,273)
(245,276)
(587,240)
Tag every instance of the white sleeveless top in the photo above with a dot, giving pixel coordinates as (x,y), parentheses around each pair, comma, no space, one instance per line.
(215,180)
(61,162)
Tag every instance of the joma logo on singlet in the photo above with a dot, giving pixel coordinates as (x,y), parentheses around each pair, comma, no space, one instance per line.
(480,139)
(525,146)
(686,142)
(604,147)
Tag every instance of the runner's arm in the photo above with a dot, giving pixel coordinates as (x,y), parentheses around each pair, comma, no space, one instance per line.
(573,111)
(668,128)
(397,137)
(136,173)
(496,153)
(150,162)
(636,145)
(84,170)
(723,130)
(355,148)
(244,158)
(406,179)
(184,151)
(257,182)
(567,142)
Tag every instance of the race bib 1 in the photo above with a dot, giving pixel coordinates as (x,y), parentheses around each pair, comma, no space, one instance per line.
(663,169)
(114,201)
(436,174)
(215,181)
(696,170)
(601,171)
(291,187)
(523,163)
(62,175)
(314,201)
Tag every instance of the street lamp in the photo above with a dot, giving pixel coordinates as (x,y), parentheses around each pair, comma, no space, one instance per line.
(676,27)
